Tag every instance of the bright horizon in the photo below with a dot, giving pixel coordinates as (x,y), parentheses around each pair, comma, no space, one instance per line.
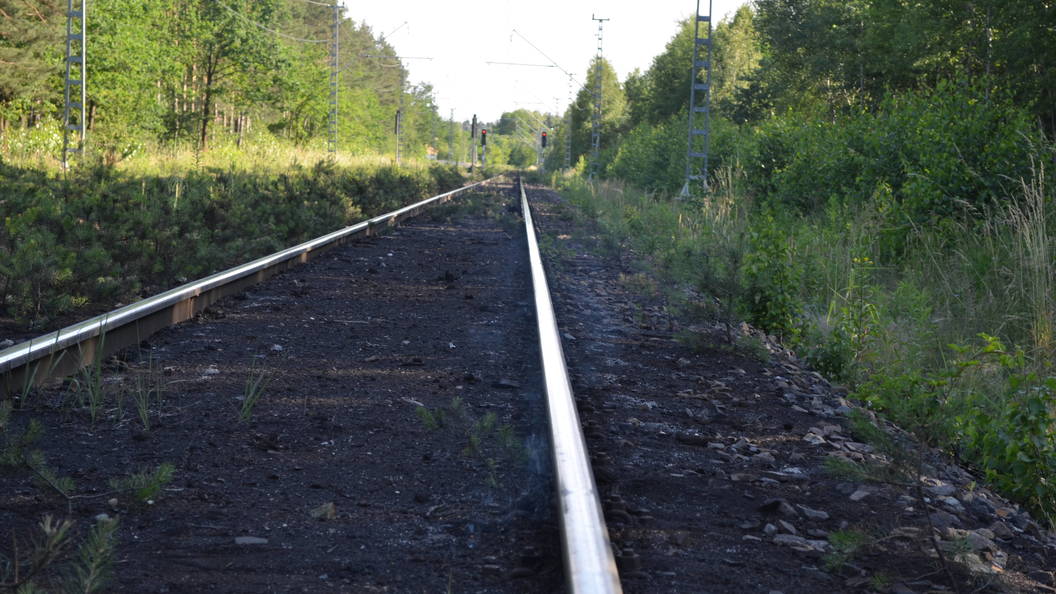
(461,36)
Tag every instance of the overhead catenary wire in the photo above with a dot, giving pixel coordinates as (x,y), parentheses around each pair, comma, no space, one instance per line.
(270,30)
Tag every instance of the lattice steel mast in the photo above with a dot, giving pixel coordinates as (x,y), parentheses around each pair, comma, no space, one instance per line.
(335,73)
(595,123)
(699,115)
(76,53)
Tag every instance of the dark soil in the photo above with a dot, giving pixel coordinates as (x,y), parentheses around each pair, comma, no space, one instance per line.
(353,349)
(402,406)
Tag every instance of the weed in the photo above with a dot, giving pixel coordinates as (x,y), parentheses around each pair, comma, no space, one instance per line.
(846,544)
(254,389)
(485,438)
(91,570)
(145,485)
(147,388)
(20,567)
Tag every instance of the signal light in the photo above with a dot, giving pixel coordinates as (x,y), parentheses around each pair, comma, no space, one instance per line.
(483,137)
(544,139)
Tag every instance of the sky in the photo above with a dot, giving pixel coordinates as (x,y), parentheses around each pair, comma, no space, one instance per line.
(461,36)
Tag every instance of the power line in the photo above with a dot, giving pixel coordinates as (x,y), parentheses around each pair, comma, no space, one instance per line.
(520,64)
(272,31)
(542,53)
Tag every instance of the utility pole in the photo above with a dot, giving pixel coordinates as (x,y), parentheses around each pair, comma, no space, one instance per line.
(398,127)
(473,143)
(331,141)
(568,126)
(595,124)
(699,114)
(452,153)
(76,53)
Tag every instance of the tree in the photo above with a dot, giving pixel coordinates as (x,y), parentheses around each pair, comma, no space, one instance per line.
(613,110)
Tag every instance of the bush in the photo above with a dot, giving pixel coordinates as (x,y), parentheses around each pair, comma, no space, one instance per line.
(107,236)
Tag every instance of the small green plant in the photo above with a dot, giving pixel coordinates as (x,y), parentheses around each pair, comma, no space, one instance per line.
(91,569)
(16,451)
(485,438)
(88,385)
(44,548)
(845,545)
(254,389)
(147,388)
(145,485)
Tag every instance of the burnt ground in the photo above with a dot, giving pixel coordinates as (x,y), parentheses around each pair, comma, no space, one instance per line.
(398,444)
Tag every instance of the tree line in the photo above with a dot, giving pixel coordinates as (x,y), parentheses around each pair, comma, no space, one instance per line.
(191,71)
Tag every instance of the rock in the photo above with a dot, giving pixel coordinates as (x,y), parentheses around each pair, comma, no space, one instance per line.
(325,511)
(506,384)
(250,540)
(102,517)
(814,439)
(276,348)
(4,344)
(796,542)
(778,505)
(813,514)
(764,458)
(770,530)
(942,520)
(942,490)
(1001,530)
(910,532)
(859,495)
(788,527)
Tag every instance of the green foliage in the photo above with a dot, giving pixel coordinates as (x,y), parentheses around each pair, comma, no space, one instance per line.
(108,236)
(771,279)
(95,556)
(991,408)
(846,545)
(23,564)
(146,485)
(485,439)
(254,389)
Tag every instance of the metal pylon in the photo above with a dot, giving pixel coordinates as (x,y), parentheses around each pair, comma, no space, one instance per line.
(335,73)
(595,124)
(73,115)
(568,126)
(699,113)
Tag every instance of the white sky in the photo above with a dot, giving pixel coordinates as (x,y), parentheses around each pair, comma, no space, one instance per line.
(462,35)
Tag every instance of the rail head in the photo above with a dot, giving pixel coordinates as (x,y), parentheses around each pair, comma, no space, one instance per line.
(589,563)
(53,354)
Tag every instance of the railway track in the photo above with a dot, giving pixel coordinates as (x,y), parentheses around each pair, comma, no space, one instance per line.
(379,420)
(586,554)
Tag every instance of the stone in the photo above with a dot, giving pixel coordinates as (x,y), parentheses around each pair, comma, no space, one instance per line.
(250,540)
(770,530)
(506,384)
(943,490)
(941,519)
(4,344)
(859,495)
(325,511)
(796,542)
(813,514)
(788,527)
(778,505)
(1001,530)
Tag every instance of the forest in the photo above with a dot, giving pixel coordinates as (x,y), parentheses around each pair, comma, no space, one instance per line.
(205,119)
(877,198)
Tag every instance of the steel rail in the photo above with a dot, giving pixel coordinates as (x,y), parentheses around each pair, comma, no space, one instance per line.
(67,350)
(589,563)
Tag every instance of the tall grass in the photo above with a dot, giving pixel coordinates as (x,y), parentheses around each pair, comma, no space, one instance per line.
(880,320)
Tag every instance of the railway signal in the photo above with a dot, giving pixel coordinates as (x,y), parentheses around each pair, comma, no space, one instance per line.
(483,137)
(544,140)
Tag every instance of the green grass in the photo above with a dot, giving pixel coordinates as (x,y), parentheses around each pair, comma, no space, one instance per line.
(877,316)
